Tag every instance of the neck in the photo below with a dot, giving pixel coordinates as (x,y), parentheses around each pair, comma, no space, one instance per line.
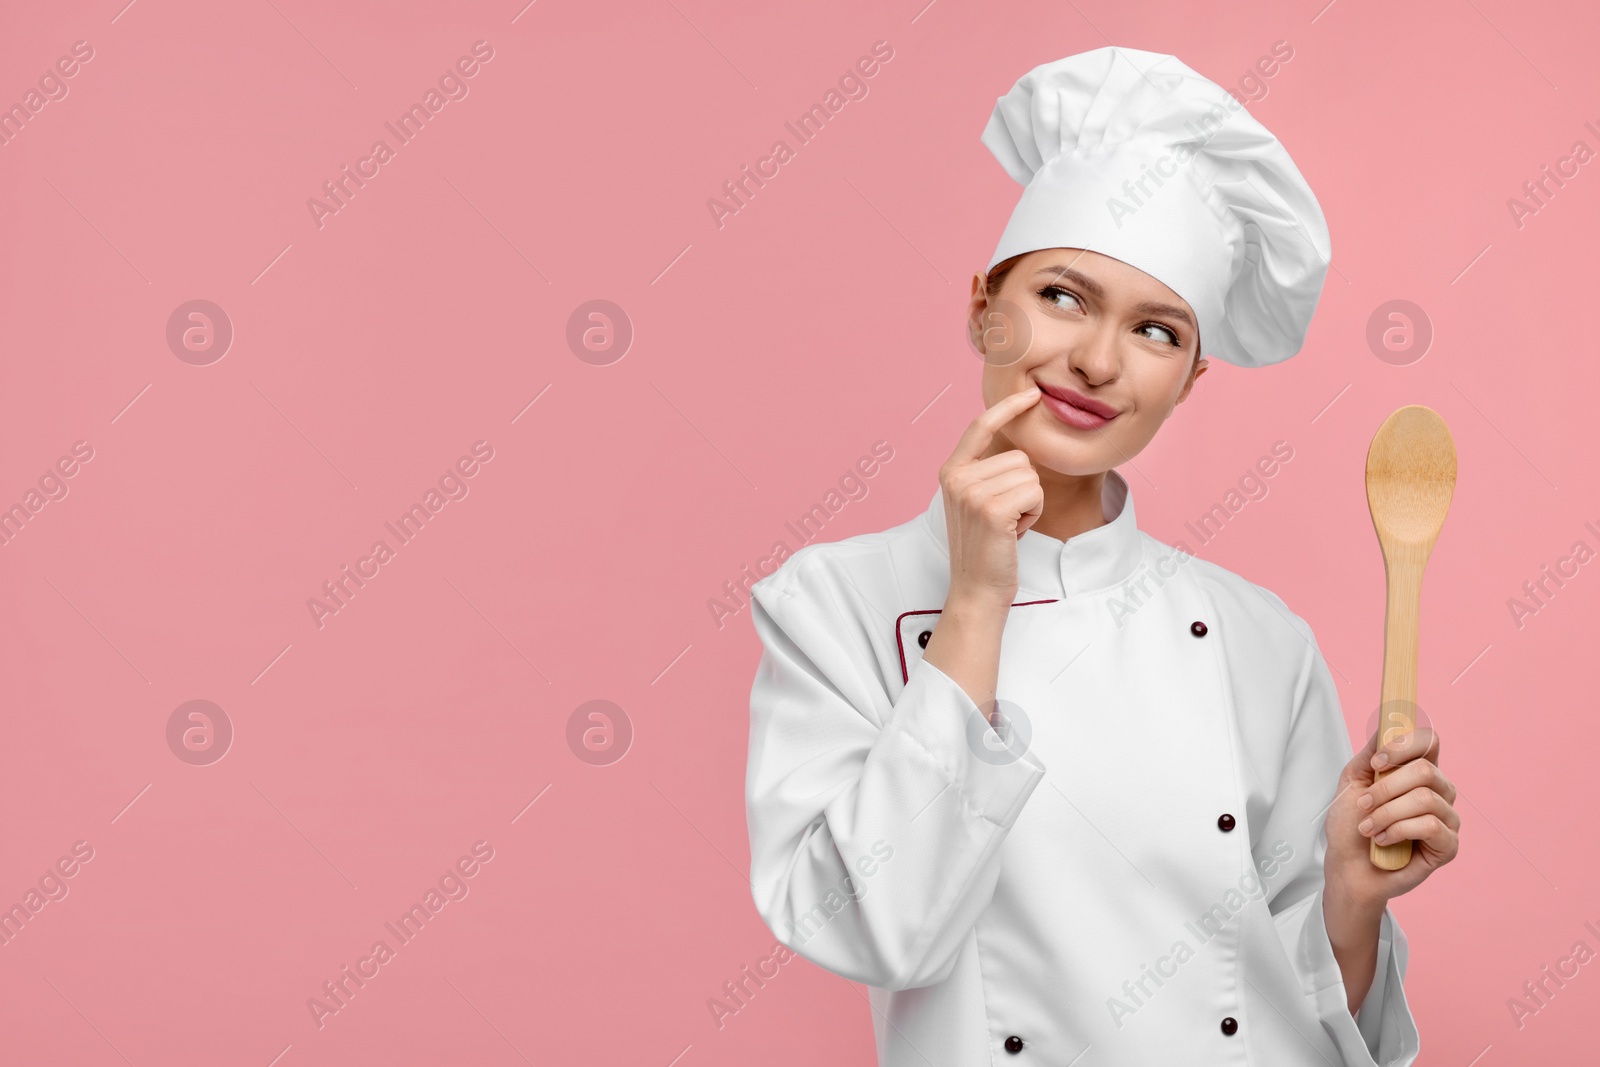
(1071,501)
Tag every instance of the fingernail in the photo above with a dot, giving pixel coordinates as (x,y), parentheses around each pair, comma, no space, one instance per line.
(1364,801)
(1380,759)
(1366,824)
(1382,838)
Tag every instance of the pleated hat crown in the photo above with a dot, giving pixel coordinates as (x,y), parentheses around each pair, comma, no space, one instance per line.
(1134,155)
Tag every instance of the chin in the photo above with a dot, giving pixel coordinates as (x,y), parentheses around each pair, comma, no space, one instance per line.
(1069,453)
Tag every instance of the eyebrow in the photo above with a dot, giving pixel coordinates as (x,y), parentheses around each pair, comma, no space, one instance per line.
(1096,290)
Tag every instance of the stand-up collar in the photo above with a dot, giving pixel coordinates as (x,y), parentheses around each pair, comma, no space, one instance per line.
(1084,563)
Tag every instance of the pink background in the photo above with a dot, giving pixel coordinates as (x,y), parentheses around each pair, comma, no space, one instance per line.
(767,357)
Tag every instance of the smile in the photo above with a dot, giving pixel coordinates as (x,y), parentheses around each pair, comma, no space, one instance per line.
(1064,405)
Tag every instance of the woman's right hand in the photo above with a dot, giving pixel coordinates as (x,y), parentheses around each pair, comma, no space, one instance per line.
(989,503)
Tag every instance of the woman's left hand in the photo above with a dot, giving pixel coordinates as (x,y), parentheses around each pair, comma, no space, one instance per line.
(1413,801)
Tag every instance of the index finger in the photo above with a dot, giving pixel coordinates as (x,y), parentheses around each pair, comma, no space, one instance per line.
(979,435)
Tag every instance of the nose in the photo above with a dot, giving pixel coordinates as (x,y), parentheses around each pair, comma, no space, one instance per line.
(1094,353)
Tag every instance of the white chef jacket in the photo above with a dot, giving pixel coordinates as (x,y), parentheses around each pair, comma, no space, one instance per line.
(1131,874)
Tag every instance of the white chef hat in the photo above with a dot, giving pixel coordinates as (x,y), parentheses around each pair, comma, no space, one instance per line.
(1133,155)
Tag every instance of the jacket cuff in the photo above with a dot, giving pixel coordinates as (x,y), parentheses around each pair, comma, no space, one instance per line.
(992,779)
(1385,1035)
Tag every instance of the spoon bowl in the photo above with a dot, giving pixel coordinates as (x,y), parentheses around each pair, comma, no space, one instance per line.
(1411,477)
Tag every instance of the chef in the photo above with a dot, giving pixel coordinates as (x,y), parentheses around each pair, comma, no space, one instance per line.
(1060,793)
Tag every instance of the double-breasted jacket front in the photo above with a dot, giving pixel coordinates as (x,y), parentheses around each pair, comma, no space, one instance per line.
(1125,868)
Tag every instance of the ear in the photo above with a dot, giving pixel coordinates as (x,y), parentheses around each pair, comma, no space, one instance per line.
(977,304)
(1199,368)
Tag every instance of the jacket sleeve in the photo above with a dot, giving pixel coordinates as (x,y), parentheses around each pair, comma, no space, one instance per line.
(874,826)
(1384,1033)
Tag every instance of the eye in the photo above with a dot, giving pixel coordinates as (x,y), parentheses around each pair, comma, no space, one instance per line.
(1173,337)
(1050,292)
(1047,290)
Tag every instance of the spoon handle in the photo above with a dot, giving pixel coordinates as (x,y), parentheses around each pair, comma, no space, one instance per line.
(1398,712)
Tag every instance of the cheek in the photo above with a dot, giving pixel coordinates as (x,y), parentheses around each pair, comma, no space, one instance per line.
(1018,338)
(1156,389)
(1001,382)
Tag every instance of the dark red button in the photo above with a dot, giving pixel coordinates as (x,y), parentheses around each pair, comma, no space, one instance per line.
(922,639)
(1230,1025)
(1013,1044)
(1197,628)
(1225,822)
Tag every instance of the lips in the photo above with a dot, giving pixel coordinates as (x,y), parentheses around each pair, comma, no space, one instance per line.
(1074,409)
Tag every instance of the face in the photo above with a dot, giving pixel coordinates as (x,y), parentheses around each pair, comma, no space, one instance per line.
(1077,322)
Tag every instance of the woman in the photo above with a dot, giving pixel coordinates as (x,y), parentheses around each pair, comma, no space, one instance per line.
(1059,792)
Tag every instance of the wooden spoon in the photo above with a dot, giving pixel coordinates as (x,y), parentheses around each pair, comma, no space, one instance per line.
(1411,475)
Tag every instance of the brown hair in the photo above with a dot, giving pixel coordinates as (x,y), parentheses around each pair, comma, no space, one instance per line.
(997,274)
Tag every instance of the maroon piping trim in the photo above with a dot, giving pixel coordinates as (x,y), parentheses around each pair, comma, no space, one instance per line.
(899,644)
